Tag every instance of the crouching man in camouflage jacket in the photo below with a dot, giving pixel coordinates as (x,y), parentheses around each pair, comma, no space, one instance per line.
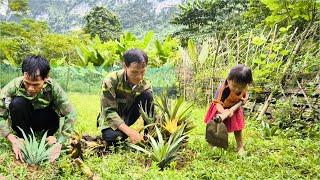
(34,101)
(123,92)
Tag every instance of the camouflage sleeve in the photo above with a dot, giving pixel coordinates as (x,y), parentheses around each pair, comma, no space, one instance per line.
(109,106)
(64,109)
(5,99)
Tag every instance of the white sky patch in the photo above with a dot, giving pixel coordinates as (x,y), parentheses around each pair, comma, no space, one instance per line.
(3,7)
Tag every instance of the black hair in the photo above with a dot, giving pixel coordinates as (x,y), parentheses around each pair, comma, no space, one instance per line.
(135,55)
(241,74)
(32,64)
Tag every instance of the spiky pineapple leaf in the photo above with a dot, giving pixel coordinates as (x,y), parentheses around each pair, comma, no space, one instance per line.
(139,148)
(35,152)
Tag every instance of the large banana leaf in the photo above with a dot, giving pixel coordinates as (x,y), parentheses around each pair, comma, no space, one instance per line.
(192,50)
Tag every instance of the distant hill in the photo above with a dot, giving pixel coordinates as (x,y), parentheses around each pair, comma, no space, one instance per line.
(136,16)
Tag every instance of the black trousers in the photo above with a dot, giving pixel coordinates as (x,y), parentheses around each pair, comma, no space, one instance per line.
(23,115)
(146,100)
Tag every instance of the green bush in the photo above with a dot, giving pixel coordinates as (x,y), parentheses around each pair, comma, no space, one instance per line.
(296,121)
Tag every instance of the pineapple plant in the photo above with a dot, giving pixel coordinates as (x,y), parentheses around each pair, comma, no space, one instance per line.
(162,152)
(167,132)
(35,152)
(174,114)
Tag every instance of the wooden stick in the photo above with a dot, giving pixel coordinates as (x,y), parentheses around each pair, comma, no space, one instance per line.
(272,42)
(84,168)
(304,94)
(222,117)
(238,48)
(248,48)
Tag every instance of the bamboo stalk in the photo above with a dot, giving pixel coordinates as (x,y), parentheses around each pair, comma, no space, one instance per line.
(293,34)
(216,54)
(304,94)
(248,48)
(253,105)
(285,70)
(212,90)
(265,105)
(84,168)
(238,48)
(228,48)
(272,42)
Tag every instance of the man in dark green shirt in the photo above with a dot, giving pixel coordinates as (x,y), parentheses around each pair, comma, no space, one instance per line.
(122,93)
(34,101)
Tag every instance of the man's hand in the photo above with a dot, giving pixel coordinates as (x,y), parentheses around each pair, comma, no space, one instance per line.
(51,140)
(16,143)
(135,137)
(55,153)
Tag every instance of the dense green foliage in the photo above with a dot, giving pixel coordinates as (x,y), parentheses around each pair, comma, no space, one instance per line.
(18,5)
(202,17)
(33,37)
(103,23)
(205,17)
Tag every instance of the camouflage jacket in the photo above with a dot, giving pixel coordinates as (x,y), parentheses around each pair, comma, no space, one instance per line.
(51,94)
(117,97)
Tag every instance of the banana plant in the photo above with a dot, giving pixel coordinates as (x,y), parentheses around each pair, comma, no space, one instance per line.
(197,56)
(98,53)
(128,41)
(166,51)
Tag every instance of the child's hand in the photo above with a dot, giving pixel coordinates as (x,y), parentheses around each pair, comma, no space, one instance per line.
(245,99)
(228,111)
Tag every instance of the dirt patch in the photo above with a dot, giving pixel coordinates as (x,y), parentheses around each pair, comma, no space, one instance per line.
(16,162)
(185,158)
(2,177)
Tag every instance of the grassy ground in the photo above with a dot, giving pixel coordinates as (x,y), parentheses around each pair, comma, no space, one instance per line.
(278,158)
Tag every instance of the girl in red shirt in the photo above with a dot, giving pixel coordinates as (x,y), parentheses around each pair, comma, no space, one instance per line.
(232,91)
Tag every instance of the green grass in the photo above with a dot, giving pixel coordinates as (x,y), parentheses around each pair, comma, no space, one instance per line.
(278,158)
